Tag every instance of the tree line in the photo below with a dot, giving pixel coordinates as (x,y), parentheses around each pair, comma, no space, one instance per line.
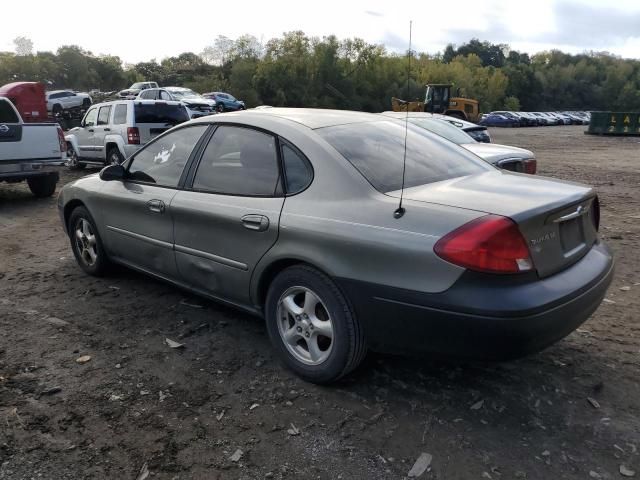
(298,70)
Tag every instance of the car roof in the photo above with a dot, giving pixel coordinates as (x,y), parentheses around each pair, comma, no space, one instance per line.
(140,101)
(177,89)
(309,117)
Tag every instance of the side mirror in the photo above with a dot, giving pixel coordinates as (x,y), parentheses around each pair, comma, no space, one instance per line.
(112,172)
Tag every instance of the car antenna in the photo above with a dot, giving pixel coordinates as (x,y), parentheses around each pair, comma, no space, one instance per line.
(399,212)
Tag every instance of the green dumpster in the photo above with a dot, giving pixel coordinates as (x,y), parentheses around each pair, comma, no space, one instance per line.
(614,123)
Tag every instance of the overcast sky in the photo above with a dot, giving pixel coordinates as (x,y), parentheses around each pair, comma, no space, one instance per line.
(137,31)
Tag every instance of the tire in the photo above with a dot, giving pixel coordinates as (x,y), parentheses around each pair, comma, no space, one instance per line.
(56,110)
(114,157)
(86,243)
(72,159)
(220,108)
(312,356)
(43,185)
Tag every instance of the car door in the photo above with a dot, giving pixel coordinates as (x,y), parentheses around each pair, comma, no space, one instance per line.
(228,215)
(102,129)
(86,133)
(137,214)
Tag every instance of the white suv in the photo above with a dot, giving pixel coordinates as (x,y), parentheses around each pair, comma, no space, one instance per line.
(112,131)
(59,100)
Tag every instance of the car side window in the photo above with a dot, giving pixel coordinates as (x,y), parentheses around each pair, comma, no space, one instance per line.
(120,114)
(297,171)
(162,161)
(239,161)
(165,95)
(103,115)
(90,118)
(148,95)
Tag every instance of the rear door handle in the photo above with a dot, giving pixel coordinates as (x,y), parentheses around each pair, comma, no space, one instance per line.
(91,130)
(156,206)
(258,223)
(106,129)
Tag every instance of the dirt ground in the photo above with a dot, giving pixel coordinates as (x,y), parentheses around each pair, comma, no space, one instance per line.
(138,409)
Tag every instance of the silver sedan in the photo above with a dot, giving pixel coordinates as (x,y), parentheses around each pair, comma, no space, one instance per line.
(309,219)
(502,156)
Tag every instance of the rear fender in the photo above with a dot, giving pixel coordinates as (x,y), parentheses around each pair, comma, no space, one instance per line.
(118,141)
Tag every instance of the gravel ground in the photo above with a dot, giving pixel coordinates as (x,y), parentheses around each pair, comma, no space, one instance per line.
(223,407)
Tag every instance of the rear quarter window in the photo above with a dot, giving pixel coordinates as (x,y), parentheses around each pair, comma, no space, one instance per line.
(160,113)
(120,114)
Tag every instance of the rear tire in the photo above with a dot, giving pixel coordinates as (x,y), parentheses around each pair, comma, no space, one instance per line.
(220,108)
(312,325)
(114,157)
(86,243)
(56,110)
(42,186)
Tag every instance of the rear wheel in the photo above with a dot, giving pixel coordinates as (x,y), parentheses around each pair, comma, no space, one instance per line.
(86,243)
(42,186)
(220,108)
(114,157)
(56,110)
(312,325)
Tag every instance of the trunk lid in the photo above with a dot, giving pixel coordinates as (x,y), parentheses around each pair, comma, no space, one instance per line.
(556,218)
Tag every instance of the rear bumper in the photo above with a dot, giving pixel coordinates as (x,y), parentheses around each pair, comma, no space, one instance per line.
(482,316)
(21,170)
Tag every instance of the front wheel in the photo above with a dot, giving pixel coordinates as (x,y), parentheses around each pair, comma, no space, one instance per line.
(72,159)
(220,108)
(86,243)
(42,186)
(312,325)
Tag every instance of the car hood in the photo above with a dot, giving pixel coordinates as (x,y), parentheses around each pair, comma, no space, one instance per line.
(513,195)
(493,152)
(130,91)
(198,101)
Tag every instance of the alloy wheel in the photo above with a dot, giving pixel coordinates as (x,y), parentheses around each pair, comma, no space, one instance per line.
(305,325)
(86,242)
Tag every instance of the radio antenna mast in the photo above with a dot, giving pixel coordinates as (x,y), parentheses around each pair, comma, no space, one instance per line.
(399,212)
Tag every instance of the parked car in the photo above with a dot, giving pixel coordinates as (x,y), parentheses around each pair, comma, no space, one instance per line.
(502,156)
(225,101)
(521,120)
(497,120)
(112,131)
(133,91)
(196,104)
(478,262)
(478,132)
(30,151)
(59,100)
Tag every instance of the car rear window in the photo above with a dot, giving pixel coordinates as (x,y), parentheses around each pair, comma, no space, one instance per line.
(160,113)
(7,114)
(376,150)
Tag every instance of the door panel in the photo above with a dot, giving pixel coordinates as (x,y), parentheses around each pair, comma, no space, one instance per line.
(139,225)
(231,217)
(216,251)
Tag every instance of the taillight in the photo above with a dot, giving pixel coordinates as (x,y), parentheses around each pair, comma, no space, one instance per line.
(490,244)
(595,213)
(133,136)
(530,165)
(61,141)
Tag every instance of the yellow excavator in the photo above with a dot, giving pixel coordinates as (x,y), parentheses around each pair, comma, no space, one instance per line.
(438,100)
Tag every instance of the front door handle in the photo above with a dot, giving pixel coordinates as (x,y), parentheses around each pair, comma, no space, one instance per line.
(258,223)
(156,206)
(107,129)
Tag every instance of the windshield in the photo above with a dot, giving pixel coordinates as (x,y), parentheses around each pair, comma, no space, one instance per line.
(137,85)
(376,150)
(446,130)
